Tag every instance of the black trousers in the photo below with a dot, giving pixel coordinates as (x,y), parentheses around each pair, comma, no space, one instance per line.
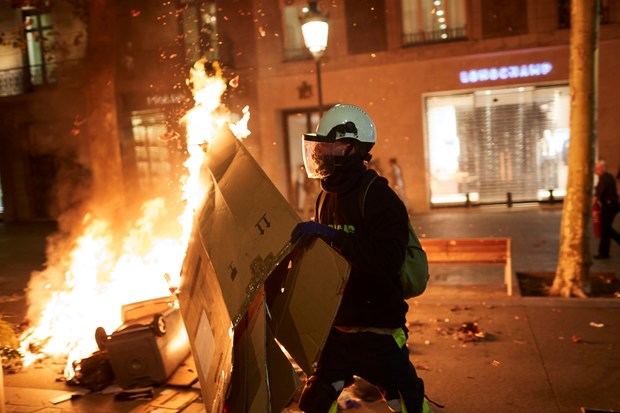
(607,231)
(378,359)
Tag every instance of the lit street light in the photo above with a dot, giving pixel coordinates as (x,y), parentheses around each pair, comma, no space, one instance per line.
(315,28)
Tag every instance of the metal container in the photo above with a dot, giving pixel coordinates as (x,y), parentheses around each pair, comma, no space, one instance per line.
(147,350)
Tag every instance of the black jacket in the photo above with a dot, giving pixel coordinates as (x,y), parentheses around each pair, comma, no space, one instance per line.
(375,246)
(606,192)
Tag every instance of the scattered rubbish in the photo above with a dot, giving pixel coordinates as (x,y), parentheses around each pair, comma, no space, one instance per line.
(459,308)
(519,341)
(94,372)
(470,331)
(142,393)
(516,317)
(576,339)
(419,366)
(12,361)
(617,294)
(596,325)
(170,399)
(70,395)
(427,342)
(111,389)
(365,391)
(185,375)
(495,363)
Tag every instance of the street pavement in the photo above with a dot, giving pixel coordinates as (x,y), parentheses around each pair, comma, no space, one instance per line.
(532,354)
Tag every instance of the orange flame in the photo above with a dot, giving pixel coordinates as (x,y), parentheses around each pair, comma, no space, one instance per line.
(103,271)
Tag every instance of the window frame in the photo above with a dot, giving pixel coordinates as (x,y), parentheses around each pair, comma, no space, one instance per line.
(43,54)
(442,35)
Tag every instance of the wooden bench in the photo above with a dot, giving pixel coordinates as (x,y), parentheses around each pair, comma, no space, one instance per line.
(472,251)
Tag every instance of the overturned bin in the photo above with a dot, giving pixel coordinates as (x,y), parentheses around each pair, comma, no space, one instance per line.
(246,292)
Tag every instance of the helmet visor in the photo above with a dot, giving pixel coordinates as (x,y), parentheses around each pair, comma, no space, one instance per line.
(320,157)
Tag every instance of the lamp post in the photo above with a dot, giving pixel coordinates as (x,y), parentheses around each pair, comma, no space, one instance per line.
(315,28)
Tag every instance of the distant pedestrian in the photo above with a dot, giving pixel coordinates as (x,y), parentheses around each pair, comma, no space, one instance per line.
(397,181)
(606,196)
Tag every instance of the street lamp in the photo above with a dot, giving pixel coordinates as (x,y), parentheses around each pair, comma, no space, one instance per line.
(315,28)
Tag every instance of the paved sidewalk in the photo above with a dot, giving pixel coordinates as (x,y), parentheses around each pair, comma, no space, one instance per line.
(540,354)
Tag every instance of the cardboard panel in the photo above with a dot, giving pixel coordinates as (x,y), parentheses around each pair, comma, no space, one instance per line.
(249,392)
(248,217)
(306,303)
(208,326)
(240,236)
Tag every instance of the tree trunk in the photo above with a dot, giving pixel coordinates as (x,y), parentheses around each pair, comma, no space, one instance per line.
(574,261)
(102,123)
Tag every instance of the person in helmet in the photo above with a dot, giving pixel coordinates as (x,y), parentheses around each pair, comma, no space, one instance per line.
(369,334)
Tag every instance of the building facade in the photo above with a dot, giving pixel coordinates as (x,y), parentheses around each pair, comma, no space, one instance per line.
(470,97)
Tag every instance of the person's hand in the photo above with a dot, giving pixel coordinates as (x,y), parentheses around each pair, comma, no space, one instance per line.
(311,228)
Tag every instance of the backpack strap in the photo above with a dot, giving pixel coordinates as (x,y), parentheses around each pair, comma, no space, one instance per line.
(365,192)
(318,205)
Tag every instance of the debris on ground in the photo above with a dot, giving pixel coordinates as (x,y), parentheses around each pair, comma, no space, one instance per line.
(459,308)
(142,393)
(596,325)
(12,361)
(363,390)
(495,363)
(470,331)
(576,339)
(94,372)
(11,358)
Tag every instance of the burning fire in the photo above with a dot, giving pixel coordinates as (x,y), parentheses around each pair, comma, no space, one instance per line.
(104,270)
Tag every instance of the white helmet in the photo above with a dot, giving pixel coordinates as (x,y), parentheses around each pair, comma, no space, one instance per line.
(345,121)
(323,149)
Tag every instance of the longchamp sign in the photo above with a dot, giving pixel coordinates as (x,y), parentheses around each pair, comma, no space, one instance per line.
(505,72)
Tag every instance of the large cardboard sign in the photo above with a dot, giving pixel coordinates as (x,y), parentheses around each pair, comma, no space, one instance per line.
(241,240)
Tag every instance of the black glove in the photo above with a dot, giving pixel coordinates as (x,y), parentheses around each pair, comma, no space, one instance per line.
(311,228)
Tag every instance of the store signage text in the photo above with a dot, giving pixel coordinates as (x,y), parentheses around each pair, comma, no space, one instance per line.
(167,99)
(505,72)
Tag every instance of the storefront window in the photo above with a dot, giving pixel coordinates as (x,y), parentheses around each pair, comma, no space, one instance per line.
(152,158)
(428,21)
(487,144)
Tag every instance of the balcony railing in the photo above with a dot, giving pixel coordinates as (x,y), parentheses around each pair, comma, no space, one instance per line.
(437,36)
(12,82)
(298,53)
(20,80)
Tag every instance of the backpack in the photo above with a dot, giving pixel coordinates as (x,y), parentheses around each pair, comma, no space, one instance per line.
(414,271)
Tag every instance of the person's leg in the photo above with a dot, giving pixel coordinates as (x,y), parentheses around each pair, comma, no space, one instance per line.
(615,235)
(606,230)
(387,366)
(410,386)
(322,389)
